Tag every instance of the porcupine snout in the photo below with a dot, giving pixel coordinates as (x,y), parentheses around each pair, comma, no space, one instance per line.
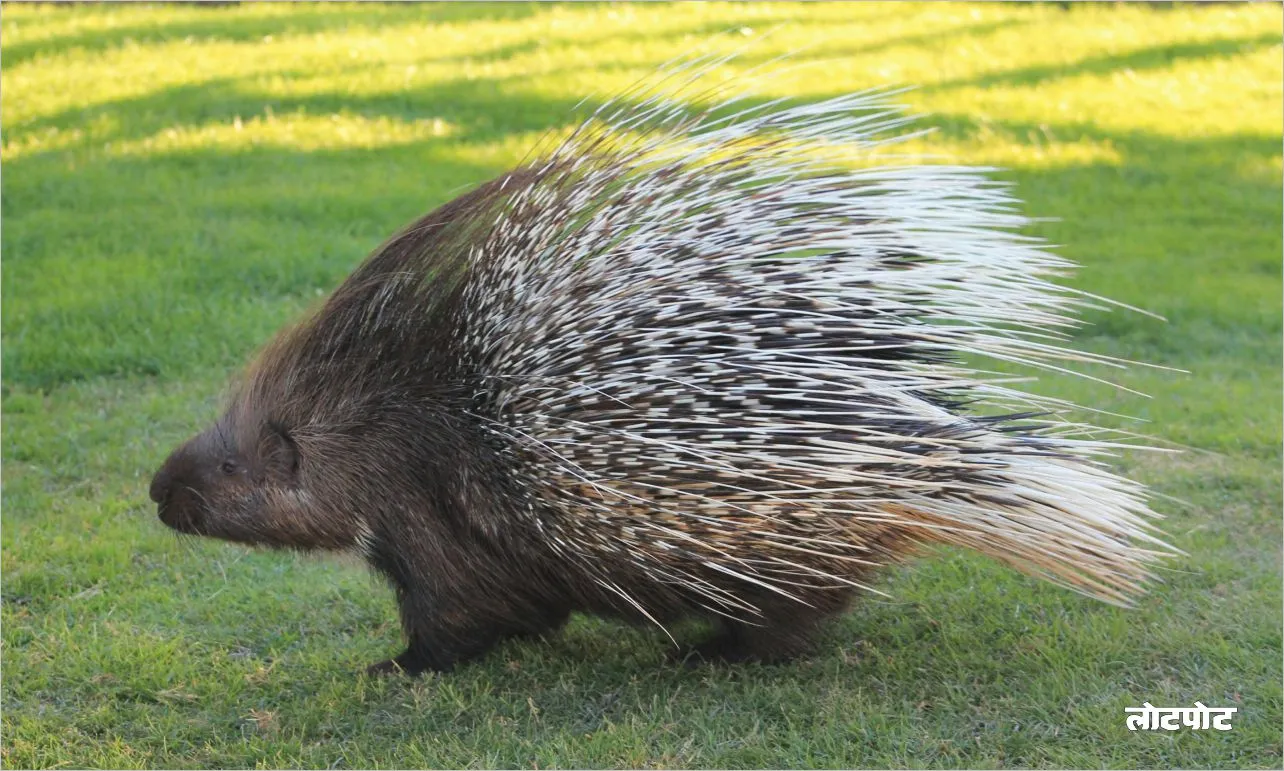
(174,491)
(161,483)
(162,490)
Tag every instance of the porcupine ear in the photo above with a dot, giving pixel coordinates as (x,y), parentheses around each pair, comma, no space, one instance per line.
(279,453)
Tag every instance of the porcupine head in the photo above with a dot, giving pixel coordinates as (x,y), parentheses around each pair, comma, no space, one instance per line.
(342,419)
(677,365)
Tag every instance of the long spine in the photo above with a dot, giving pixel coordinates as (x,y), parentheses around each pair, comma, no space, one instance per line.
(716,353)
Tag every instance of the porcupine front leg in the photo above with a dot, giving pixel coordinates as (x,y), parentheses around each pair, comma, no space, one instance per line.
(444,629)
(437,647)
(439,633)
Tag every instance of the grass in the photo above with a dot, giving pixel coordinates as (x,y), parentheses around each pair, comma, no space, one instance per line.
(180,181)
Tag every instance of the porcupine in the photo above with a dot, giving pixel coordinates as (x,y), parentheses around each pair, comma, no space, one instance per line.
(680,365)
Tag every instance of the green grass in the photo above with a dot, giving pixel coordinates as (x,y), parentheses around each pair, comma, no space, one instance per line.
(180,181)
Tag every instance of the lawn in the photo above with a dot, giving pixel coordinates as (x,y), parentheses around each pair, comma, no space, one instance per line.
(180,181)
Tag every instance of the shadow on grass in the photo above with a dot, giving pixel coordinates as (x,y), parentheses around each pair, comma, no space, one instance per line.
(1155,57)
(484,109)
(248,23)
(463,101)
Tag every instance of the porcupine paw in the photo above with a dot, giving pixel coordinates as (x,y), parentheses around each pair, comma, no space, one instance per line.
(408,663)
(386,667)
(743,644)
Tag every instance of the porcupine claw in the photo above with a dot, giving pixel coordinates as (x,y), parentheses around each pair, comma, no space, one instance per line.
(405,664)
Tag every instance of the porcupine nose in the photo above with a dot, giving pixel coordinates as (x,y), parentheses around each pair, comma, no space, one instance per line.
(159,490)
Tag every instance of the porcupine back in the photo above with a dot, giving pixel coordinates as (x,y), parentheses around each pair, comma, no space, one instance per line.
(719,361)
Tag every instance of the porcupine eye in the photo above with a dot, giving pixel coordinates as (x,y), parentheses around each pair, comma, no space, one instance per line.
(229,467)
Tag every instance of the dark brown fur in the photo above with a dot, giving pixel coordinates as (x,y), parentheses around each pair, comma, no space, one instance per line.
(352,432)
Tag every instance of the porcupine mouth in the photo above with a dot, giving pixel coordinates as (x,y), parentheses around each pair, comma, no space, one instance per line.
(184,519)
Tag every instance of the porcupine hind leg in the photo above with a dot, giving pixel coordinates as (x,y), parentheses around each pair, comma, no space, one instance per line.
(786,630)
(543,625)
